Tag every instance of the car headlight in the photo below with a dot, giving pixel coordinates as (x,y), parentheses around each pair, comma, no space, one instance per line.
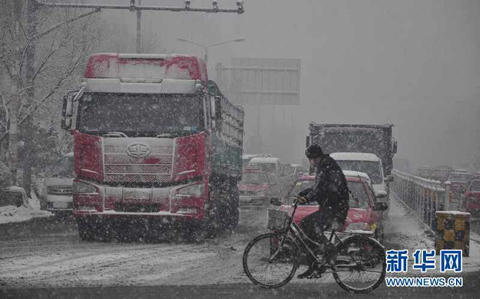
(196,190)
(83,188)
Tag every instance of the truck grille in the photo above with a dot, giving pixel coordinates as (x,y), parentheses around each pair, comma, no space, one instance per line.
(143,208)
(156,167)
(138,169)
(60,190)
(247,193)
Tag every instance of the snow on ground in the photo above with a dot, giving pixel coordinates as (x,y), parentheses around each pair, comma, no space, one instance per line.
(405,231)
(56,257)
(23,213)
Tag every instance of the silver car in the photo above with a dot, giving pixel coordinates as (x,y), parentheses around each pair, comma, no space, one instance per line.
(57,189)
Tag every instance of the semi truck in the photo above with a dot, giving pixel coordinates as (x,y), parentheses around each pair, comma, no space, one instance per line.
(156,144)
(373,139)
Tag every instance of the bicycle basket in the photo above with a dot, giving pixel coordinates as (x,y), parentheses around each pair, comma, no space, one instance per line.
(277,219)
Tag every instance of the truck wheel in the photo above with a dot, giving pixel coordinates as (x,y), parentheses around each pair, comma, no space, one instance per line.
(233,211)
(207,228)
(85,231)
(102,231)
(235,216)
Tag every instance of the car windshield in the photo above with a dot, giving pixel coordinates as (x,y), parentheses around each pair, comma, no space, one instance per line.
(372,168)
(357,188)
(254,178)
(65,167)
(359,199)
(475,187)
(459,177)
(268,167)
(140,115)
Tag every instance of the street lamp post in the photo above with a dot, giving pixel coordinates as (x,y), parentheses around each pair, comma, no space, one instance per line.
(205,48)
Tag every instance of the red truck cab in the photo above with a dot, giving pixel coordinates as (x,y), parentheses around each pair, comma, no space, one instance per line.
(154,140)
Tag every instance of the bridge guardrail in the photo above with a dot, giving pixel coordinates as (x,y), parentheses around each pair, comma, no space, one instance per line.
(425,197)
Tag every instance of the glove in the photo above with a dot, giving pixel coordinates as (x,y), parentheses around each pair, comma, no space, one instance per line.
(304,193)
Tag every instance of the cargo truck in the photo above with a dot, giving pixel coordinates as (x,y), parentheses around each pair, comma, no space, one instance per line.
(373,139)
(156,144)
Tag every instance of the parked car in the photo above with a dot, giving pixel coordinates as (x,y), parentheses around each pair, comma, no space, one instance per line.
(424,172)
(256,187)
(440,173)
(247,157)
(470,200)
(13,196)
(294,169)
(57,190)
(268,164)
(458,182)
(364,214)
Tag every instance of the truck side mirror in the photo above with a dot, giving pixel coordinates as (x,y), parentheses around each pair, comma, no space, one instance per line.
(213,112)
(389,178)
(380,206)
(394,149)
(67,113)
(66,124)
(218,108)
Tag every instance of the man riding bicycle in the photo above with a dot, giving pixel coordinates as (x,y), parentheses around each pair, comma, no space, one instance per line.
(331,193)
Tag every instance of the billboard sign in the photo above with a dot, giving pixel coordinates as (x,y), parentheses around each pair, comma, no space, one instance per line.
(261,81)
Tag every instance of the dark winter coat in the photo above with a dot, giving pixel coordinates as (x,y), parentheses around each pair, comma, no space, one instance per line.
(330,189)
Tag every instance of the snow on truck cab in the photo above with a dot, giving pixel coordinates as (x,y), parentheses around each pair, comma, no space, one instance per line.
(154,138)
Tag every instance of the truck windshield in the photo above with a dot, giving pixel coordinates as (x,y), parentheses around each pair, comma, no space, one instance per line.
(141,115)
(373,169)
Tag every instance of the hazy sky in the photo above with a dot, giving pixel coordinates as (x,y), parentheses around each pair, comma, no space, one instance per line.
(413,63)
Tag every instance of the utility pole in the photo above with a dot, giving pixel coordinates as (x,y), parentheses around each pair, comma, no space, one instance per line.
(138,8)
(139,28)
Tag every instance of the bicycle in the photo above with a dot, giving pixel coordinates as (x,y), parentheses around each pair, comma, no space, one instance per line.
(271,260)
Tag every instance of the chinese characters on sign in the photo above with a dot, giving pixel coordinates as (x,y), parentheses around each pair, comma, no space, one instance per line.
(424,260)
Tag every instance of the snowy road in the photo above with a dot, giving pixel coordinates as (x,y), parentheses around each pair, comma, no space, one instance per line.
(45,253)
(48,255)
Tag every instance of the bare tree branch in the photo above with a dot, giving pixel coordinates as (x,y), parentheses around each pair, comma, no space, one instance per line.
(42,34)
(37,105)
(6,111)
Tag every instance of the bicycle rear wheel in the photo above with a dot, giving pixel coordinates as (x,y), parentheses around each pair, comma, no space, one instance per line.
(360,265)
(268,265)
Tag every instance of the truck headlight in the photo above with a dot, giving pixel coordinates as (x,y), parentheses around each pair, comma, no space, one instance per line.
(83,188)
(197,190)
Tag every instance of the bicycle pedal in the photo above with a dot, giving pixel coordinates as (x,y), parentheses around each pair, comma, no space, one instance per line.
(315,275)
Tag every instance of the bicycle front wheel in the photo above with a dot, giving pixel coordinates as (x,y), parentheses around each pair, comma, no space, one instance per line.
(360,265)
(268,264)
